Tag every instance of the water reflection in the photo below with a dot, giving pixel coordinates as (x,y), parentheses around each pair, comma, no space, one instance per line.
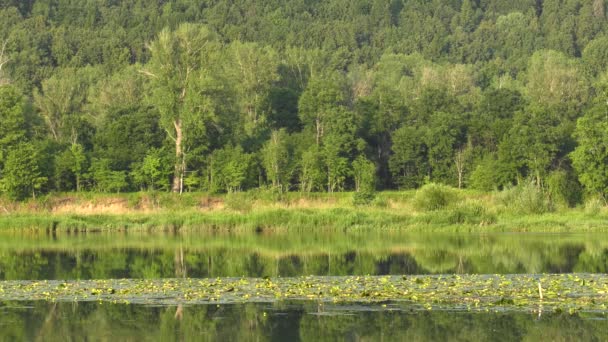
(289,322)
(215,254)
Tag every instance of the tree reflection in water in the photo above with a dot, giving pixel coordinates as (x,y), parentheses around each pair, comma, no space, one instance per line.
(284,321)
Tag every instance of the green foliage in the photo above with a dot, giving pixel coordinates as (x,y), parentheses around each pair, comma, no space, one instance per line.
(491,174)
(533,142)
(12,117)
(364,197)
(323,98)
(21,176)
(275,159)
(594,205)
(555,82)
(105,179)
(527,198)
(364,172)
(412,85)
(564,188)
(470,213)
(62,100)
(595,56)
(335,163)
(311,175)
(238,202)
(408,164)
(128,134)
(442,138)
(153,172)
(229,168)
(590,158)
(434,197)
(255,74)
(186,88)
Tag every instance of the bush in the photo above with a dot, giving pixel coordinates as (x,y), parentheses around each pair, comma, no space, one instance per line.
(381,202)
(490,174)
(471,213)
(434,197)
(526,199)
(267,194)
(238,202)
(593,206)
(364,197)
(564,188)
(107,180)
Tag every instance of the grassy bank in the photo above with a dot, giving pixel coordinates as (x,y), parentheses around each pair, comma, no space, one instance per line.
(433,208)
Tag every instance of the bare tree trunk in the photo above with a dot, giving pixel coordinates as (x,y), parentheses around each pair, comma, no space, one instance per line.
(3,61)
(460,163)
(461,159)
(179,157)
(48,323)
(178,262)
(598,8)
(179,312)
(318,124)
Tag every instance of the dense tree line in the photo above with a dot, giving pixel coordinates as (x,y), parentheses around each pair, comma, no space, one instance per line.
(335,95)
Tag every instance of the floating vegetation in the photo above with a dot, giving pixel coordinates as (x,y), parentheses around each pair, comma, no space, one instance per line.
(560,293)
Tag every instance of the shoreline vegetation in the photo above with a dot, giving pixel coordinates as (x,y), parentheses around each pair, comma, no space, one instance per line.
(431,208)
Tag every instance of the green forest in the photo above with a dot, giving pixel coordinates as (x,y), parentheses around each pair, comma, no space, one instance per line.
(303,95)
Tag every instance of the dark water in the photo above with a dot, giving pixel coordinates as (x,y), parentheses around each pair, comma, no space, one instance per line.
(284,322)
(289,253)
(102,256)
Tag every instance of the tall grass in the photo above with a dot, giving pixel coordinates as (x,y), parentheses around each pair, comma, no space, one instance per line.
(525,199)
(431,208)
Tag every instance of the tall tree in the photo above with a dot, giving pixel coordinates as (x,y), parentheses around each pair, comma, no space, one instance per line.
(275,159)
(255,70)
(185,86)
(61,102)
(12,117)
(323,97)
(590,158)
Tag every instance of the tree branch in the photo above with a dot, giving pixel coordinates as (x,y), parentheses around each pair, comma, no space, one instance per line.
(147,73)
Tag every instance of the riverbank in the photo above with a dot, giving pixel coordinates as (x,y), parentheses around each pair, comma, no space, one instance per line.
(434,209)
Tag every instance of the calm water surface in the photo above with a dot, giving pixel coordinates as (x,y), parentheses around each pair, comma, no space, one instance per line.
(208,254)
(37,256)
(284,322)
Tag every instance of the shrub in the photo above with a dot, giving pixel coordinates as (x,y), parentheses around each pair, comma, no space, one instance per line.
(526,199)
(434,197)
(267,194)
(491,174)
(593,206)
(471,213)
(238,202)
(380,202)
(564,188)
(364,197)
